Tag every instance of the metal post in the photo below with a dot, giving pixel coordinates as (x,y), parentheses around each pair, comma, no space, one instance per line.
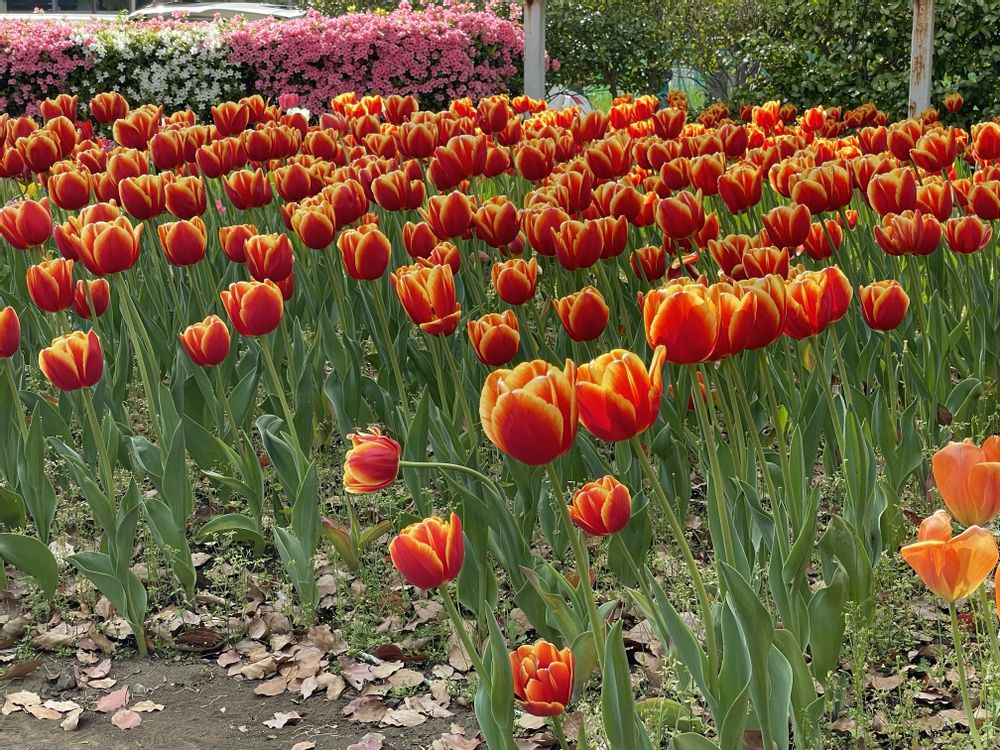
(921,56)
(534,48)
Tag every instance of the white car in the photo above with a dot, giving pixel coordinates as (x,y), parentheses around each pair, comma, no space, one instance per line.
(208,11)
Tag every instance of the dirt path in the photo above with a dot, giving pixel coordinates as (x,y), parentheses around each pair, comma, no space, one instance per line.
(203,710)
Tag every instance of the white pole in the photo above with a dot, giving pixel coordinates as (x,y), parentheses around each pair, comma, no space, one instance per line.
(534,48)
(921,56)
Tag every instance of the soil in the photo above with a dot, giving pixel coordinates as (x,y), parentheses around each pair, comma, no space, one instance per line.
(203,710)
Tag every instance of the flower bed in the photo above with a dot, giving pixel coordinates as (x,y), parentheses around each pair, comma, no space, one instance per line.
(436,53)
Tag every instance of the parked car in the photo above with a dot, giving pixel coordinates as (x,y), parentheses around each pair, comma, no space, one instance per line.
(209,10)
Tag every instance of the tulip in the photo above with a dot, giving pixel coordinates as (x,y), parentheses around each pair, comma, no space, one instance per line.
(39,150)
(609,158)
(540,224)
(682,317)
(787,226)
(108,247)
(418,239)
(935,526)
(495,338)
(984,200)
(231,117)
(448,215)
(967,234)
(108,107)
(372,463)
(73,361)
(397,191)
(543,678)
(824,239)
(293,182)
(247,189)
(530,412)
(908,233)
(99,291)
(233,241)
(206,343)
(70,190)
(268,256)
(883,304)
(143,197)
(183,242)
(935,151)
(893,192)
(515,280)
(534,159)
(496,222)
(50,284)
(767,311)
(953,102)
(135,129)
(618,397)
(10,332)
(815,299)
(986,141)
(649,263)
(954,568)
(968,478)
(680,216)
(315,224)
(584,314)
(758,262)
(741,187)
(578,244)
(446,254)
(26,224)
(427,294)
(430,553)
(366,252)
(185,197)
(602,507)
(254,307)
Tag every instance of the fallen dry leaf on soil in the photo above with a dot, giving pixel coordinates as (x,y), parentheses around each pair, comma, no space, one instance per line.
(270,688)
(20,670)
(62,706)
(113,701)
(72,721)
(41,712)
(23,698)
(371,741)
(145,707)
(126,718)
(307,745)
(282,718)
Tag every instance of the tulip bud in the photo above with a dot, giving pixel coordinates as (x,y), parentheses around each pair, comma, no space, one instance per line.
(427,294)
(99,291)
(584,314)
(10,332)
(372,463)
(495,338)
(515,280)
(366,252)
(254,307)
(206,343)
(233,241)
(50,284)
(268,256)
(430,553)
(883,304)
(183,242)
(602,507)
(73,361)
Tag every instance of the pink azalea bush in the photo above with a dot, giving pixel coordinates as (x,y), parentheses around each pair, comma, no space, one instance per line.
(435,52)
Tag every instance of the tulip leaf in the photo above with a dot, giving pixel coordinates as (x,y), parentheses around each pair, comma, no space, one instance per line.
(33,557)
(692,741)
(621,722)
(241,525)
(12,510)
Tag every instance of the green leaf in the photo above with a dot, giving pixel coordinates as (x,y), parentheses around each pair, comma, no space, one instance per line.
(33,557)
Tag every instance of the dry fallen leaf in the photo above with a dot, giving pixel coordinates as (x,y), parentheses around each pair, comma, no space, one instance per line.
(371,741)
(270,688)
(404,717)
(103,684)
(367,708)
(126,718)
(41,712)
(21,669)
(145,707)
(72,721)
(23,698)
(307,745)
(62,706)
(113,701)
(98,671)
(282,718)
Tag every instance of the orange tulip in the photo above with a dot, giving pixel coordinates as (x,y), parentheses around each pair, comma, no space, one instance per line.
(515,280)
(100,294)
(893,192)
(680,216)
(495,338)
(108,247)
(206,343)
(534,159)
(618,397)
(578,244)
(372,463)
(315,224)
(185,197)
(953,102)
(430,553)
(935,197)
(108,107)
(254,307)
(446,254)
(530,413)
(741,187)
(767,310)
(986,141)
(183,242)
(584,314)
(815,299)
(682,317)
(540,225)
(935,151)
(427,294)
(166,149)
(133,130)
(269,256)
(787,226)
(418,239)
(143,197)
(496,222)
(984,200)
(73,361)
(968,478)
(935,526)
(543,678)
(39,150)
(602,507)
(50,284)
(649,263)
(967,234)
(231,117)
(954,568)
(26,224)
(448,215)
(397,191)
(883,304)
(233,241)
(366,252)
(70,190)
(824,239)
(10,332)
(247,189)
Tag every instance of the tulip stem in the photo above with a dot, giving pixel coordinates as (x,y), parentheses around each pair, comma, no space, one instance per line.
(107,470)
(227,410)
(779,433)
(463,634)
(338,289)
(142,346)
(439,376)
(456,467)
(15,395)
(582,561)
(991,627)
(383,319)
(463,396)
(279,391)
(557,730)
(696,578)
(956,634)
(891,386)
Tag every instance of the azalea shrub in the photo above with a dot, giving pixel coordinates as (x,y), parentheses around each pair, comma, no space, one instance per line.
(435,52)
(584,380)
